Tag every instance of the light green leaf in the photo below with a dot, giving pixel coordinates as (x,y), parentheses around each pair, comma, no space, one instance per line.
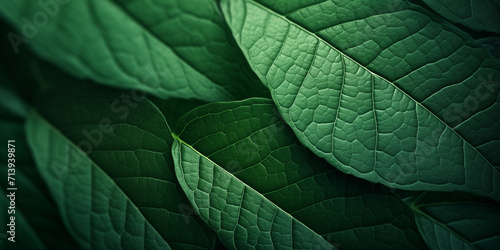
(457,221)
(416,108)
(476,14)
(147,45)
(107,162)
(251,181)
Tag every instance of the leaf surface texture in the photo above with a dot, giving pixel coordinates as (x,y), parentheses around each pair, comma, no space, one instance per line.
(108,165)
(457,221)
(147,45)
(398,109)
(249,178)
(476,14)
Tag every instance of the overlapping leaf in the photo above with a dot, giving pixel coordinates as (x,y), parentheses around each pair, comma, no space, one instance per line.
(383,90)
(476,14)
(106,158)
(13,108)
(37,222)
(457,221)
(147,45)
(492,44)
(197,32)
(251,181)
(174,108)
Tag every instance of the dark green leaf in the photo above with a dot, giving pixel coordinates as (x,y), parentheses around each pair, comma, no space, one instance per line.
(476,14)
(106,157)
(197,32)
(10,103)
(457,221)
(37,222)
(147,45)
(492,44)
(250,180)
(174,108)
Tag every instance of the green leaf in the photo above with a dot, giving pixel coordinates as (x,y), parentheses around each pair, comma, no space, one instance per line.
(197,32)
(23,229)
(174,108)
(10,100)
(106,159)
(17,69)
(480,15)
(147,45)
(263,223)
(416,108)
(457,221)
(250,180)
(37,222)
(492,44)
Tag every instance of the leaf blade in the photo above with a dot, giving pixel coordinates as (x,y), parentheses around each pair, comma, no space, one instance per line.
(102,49)
(254,146)
(369,110)
(110,170)
(479,15)
(37,226)
(457,221)
(299,235)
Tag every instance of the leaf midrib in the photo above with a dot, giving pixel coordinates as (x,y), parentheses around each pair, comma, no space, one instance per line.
(267,9)
(55,130)
(266,101)
(176,137)
(445,227)
(174,51)
(420,201)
